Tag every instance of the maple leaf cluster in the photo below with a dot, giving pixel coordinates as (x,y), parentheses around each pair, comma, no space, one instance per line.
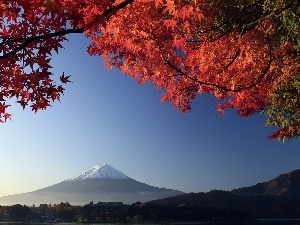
(244,52)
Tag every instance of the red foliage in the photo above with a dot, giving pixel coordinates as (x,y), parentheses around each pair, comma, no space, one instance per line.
(173,44)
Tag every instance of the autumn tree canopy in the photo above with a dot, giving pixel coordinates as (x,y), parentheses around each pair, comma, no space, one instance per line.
(244,52)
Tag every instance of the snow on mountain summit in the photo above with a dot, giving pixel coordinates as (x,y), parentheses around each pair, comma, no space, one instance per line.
(104,171)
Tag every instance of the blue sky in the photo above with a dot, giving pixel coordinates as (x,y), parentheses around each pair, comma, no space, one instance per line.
(106,117)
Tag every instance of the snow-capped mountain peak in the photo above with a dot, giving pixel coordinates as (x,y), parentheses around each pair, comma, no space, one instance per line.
(104,171)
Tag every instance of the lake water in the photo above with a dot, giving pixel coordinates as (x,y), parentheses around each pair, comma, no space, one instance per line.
(260,222)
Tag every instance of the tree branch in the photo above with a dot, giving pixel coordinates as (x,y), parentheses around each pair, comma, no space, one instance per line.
(224,88)
(112,11)
(276,12)
(26,41)
(29,40)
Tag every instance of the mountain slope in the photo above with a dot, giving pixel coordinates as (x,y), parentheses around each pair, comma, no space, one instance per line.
(100,183)
(259,206)
(277,198)
(287,184)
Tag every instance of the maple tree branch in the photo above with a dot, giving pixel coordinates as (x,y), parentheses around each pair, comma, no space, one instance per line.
(228,24)
(112,11)
(10,40)
(276,12)
(263,74)
(238,18)
(233,20)
(259,78)
(224,88)
(29,40)
(232,60)
(183,73)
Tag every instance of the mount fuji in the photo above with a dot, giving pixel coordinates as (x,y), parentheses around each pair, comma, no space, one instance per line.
(105,171)
(100,183)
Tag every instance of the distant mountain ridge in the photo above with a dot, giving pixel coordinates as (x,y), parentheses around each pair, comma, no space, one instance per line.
(287,184)
(277,198)
(100,183)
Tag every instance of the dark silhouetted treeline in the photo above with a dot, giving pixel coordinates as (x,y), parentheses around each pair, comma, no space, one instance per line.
(137,212)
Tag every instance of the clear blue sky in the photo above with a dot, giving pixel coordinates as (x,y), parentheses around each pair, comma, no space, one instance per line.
(106,117)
